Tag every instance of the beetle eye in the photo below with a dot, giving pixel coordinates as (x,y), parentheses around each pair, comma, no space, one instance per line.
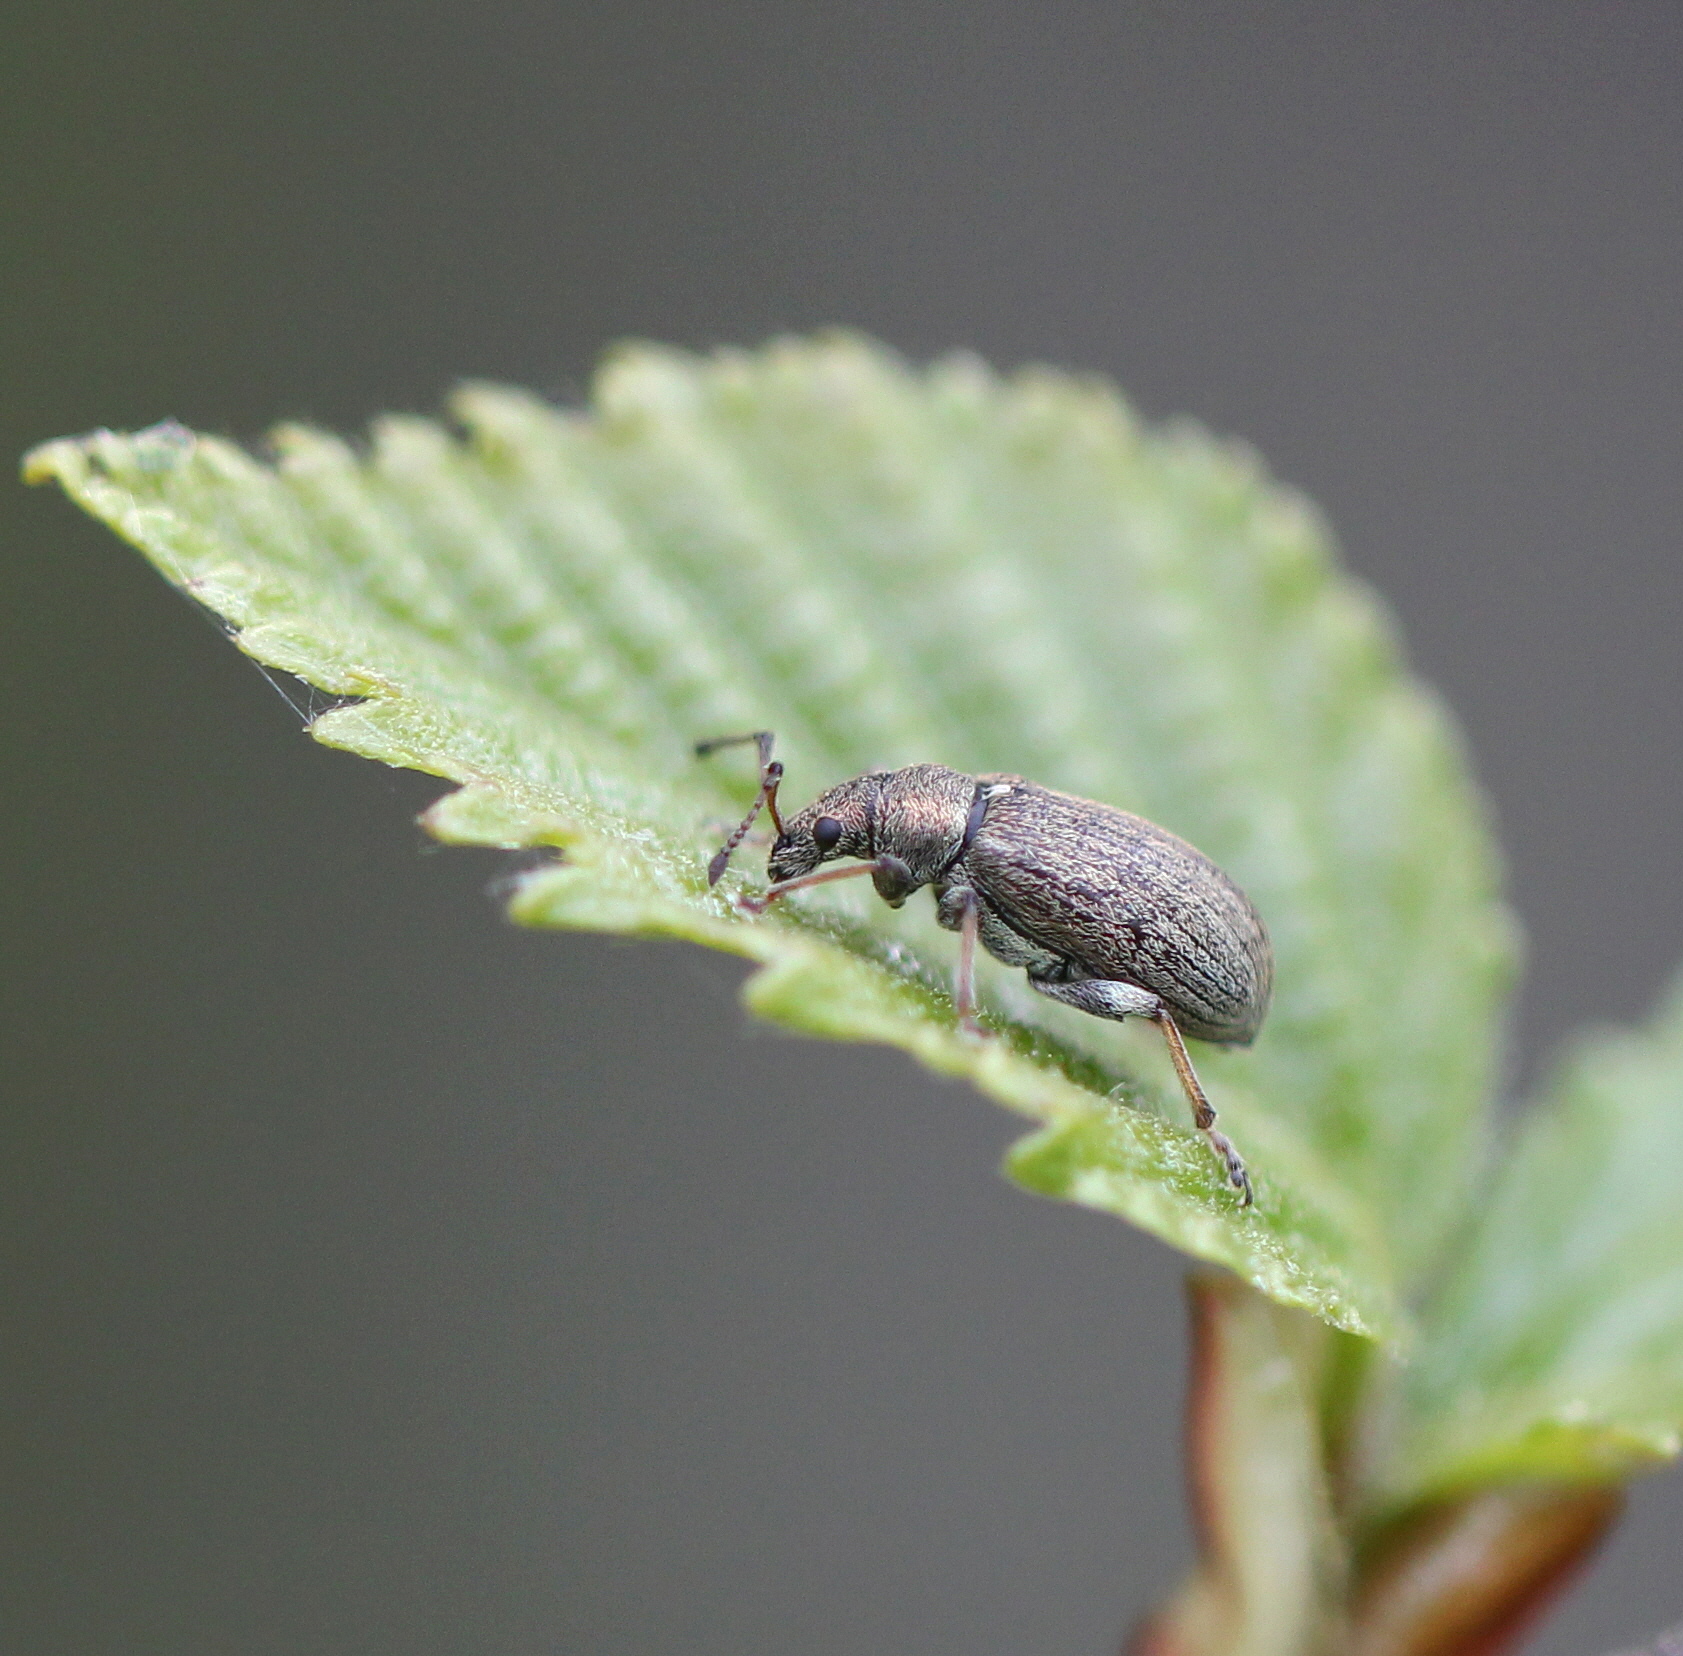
(826,833)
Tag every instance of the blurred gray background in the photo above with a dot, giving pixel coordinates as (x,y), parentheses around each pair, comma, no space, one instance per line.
(381,1280)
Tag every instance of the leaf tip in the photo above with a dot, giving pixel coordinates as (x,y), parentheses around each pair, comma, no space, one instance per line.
(156,449)
(49,461)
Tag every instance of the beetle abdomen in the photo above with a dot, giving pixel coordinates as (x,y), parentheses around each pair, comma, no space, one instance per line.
(1120,898)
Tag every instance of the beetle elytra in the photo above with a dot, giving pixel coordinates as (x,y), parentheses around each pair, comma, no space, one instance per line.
(1105,911)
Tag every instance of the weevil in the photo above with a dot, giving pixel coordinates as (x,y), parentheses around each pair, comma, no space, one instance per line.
(1105,911)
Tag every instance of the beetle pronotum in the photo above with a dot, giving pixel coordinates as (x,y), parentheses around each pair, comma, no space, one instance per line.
(1106,912)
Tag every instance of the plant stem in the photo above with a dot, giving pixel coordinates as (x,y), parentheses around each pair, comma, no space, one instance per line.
(1284,1570)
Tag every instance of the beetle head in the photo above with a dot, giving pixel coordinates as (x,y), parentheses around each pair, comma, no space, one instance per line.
(911,822)
(838,823)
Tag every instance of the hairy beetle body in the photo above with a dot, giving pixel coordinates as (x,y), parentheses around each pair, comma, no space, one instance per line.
(1104,910)
(1117,897)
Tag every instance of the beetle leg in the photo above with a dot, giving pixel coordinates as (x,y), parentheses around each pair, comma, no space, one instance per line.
(1103,997)
(964,980)
(1107,999)
(1203,1112)
(758,905)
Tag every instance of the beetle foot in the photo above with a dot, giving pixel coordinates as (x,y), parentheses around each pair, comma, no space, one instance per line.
(1239,1177)
(971,1028)
(1237,1174)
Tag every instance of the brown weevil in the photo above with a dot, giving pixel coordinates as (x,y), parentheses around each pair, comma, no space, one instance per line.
(1106,912)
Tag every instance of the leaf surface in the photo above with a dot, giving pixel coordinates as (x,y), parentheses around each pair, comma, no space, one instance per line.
(885,566)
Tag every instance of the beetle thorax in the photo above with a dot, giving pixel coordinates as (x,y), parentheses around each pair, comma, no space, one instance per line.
(921,816)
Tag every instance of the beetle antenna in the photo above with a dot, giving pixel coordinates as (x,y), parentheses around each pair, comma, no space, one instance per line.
(771,774)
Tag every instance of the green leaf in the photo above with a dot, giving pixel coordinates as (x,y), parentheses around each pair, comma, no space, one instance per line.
(1555,1350)
(887,566)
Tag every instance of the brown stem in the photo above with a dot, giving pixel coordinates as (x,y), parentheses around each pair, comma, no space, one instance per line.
(1270,1576)
(1467,1577)
(1460,1577)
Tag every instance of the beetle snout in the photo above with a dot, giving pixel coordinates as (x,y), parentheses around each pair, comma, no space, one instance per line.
(779,865)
